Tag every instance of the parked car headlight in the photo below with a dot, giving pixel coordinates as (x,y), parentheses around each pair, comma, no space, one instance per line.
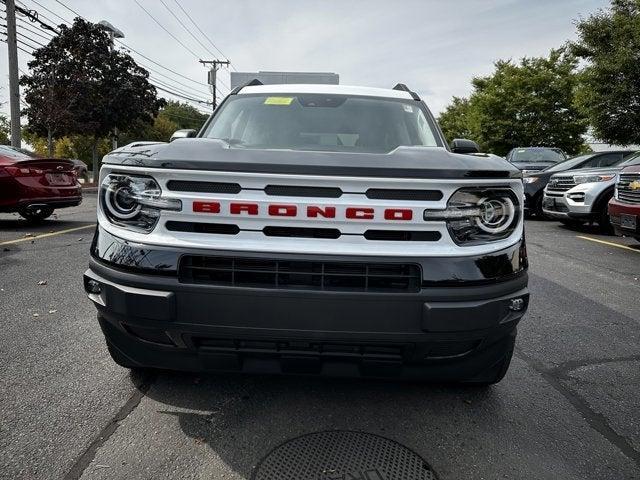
(530,179)
(578,179)
(479,215)
(134,201)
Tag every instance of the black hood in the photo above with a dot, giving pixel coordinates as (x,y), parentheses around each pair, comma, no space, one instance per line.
(403,162)
(533,165)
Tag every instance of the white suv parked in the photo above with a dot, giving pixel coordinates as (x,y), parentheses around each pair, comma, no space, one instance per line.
(583,195)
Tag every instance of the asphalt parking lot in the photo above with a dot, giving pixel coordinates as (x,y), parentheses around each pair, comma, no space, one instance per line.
(568,408)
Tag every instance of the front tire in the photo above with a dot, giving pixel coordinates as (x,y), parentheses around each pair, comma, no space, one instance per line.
(537,209)
(604,222)
(36,214)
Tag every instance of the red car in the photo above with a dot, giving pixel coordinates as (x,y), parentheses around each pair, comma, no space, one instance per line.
(34,186)
(624,207)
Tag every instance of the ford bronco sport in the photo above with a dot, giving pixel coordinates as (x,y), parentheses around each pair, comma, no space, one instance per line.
(312,229)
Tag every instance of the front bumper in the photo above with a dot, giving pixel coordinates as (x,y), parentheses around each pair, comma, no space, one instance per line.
(440,332)
(565,207)
(616,210)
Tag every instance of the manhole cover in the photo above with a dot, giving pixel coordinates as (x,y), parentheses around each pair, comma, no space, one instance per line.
(342,455)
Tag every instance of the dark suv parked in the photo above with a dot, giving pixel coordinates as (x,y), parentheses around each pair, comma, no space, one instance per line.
(534,159)
(534,183)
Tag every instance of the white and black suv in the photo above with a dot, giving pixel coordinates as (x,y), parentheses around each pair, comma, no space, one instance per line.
(312,229)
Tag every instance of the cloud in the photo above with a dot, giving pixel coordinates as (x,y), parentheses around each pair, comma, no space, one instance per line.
(434,47)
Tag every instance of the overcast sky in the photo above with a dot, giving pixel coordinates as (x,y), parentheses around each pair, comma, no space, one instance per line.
(435,47)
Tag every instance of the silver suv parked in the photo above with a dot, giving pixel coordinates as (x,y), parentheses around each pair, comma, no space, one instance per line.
(582,195)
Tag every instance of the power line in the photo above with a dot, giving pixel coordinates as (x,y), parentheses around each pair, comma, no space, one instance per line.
(200,30)
(32,25)
(165,29)
(22,42)
(19,47)
(70,9)
(30,39)
(139,53)
(39,15)
(50,11)
(159,64)
(179,90)
(156,72)
(38,33)
(34,18)
(187,30)
(202,102)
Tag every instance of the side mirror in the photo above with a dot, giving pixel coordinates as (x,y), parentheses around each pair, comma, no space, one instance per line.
(462,145)
(186,133)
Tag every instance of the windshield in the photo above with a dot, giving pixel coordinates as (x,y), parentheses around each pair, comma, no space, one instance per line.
(633,160)
(338,123)
(17,153)
(537,155)
(568,164)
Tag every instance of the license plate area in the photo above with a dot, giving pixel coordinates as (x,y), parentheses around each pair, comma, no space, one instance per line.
(59,179)
(549,203)
(628,222)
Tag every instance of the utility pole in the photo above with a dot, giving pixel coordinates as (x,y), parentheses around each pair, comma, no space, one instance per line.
(14,87)
(211,77)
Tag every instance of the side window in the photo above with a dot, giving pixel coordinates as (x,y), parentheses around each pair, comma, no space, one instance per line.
(608,159)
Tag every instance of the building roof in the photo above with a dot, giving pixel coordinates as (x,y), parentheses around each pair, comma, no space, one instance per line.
(327,89)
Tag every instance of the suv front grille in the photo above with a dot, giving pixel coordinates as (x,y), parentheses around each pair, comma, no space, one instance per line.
(296,274)
(625,193)
(561,184)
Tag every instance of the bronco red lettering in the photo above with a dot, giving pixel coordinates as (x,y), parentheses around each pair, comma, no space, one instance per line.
(326,212)
(206,207)
(360,213)
(283,210)
(398,214)
(238,208)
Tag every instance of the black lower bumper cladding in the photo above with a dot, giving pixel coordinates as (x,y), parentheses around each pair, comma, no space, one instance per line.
(382,324)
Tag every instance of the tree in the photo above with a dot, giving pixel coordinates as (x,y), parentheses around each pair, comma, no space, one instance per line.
(5,129)
(79,85)
(184,115)
(457,120)
(173,116)
(609,42)
(528,103)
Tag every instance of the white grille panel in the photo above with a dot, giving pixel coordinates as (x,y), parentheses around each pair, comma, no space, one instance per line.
(351,240)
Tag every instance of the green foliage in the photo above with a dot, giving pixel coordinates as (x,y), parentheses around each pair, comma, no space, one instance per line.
(78,85)
(173,116)
(5,131)
(457,120)
(184,115)
(609,42)
(529,103)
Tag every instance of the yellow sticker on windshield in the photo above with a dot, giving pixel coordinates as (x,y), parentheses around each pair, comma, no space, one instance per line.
(278,100)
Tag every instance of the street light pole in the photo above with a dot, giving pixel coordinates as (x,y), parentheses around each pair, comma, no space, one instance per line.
(113,34)
(14,86)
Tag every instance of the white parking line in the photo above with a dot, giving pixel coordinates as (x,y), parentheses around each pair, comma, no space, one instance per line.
(44,235)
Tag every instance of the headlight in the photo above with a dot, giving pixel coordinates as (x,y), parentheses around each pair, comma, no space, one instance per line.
(134,201)
(578,179)
(479,215)
(530,179)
